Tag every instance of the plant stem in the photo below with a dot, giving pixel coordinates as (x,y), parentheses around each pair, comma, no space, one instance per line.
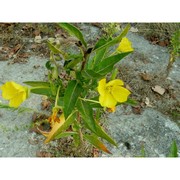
(57,96)
(89,100)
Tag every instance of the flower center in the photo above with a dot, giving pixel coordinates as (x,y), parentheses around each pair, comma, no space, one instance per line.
(109,89)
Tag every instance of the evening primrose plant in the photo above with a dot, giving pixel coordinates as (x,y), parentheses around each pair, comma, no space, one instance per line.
(79,86)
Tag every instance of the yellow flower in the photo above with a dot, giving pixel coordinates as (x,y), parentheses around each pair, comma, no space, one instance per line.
(125,45)
(111,93)
(14,92)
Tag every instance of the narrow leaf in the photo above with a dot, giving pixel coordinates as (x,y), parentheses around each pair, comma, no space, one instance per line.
(54,49)
(107,64)
(173,150)
(42,91)
(114,41)
(37,83)
(90,74)
(71,95)
(87,113)
(101,42)
(96,142)
(73,31)
(101,133)
(65,134)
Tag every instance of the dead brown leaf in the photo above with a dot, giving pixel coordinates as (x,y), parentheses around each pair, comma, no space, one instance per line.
(24,55)
(137,110)
(45,104)
(158,89)
(16,48)
(43,154)
(146,76)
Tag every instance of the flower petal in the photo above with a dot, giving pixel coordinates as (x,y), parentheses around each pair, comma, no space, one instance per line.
(125,45)
(9,90)
(102,87)
(115,82)
(14,92)
(107,100)
(17,100)
(120,94)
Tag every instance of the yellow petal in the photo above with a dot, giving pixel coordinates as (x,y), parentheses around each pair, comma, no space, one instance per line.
(125,45)
(107,100)
(120,94)
(9,89)
(102,86)
(115,82)
(17,100)
(56,126)
(14,92)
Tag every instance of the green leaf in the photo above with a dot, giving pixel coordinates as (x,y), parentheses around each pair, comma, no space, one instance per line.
(19,109)
(101,42)
(131,102)
(93,139)
(113,41)
(90,74)
(107,64)
(54,49)
(87,113)
(73,31)
(99,56)
(71,95)
(101,133)
(48,65)
(37,83)
(65,134)
(72,63)
(42,91)
(173,150)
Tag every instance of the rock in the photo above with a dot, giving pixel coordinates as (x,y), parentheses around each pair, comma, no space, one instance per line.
(150,130)
(14,126)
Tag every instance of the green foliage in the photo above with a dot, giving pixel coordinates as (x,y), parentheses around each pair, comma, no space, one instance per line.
(173,150)
(73,31)
(73,75)
(71,96)
(175,44)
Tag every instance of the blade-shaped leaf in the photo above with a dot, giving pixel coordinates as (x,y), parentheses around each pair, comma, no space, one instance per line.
(90,74)
(37,83)
(173,150)
(106,65)
(54,49)
(93,139)
(65,134)
(99,56)
(73,31)
(71,95)
(72,63)
(42,91)
(113,41)
(101,133)
(101,42)
(87,113)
